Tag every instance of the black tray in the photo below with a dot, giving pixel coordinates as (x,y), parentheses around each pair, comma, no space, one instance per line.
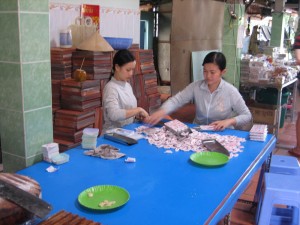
(214,146)
(120,138)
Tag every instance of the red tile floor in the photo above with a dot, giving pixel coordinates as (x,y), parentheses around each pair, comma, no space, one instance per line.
(243,213)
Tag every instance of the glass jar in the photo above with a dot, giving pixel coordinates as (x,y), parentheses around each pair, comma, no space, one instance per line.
(65,38)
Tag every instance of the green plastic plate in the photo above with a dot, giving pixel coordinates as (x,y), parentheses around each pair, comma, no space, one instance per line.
(209,158)
(103,197)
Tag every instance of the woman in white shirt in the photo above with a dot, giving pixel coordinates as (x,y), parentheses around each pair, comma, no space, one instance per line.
(119,103)
(218,103)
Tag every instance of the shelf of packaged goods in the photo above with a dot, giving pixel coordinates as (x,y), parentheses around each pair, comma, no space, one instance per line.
(279,87)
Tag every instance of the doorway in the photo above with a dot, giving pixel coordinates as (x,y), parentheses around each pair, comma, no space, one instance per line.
(144,31)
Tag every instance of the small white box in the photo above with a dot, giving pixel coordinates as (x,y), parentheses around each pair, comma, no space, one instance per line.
(50,150)
(92,132)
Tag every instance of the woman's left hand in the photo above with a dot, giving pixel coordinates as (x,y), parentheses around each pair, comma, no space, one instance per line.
(222,124)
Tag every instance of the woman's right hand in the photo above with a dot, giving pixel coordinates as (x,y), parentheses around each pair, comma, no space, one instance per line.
(155,117)
(222,124)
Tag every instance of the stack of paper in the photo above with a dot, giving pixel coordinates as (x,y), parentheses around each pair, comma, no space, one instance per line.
(258,132)
(126,133)
(50,150)
(89,138)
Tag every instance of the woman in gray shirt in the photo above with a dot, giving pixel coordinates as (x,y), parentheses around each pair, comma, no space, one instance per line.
(217,102)
(119,103)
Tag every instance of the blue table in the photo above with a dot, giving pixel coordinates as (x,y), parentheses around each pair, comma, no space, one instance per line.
(164,188)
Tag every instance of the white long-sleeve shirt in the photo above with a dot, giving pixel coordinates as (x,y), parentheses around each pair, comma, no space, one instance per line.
(117,98)
(224,103)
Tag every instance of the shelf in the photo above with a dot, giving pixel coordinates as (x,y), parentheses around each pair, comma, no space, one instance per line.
(268,85)
(279,87)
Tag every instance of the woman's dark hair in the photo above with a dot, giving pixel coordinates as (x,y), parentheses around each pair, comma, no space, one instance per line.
(121,58)
(217,58)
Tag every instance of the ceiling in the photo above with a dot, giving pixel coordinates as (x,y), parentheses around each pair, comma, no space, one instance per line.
(261,7)
(265,7)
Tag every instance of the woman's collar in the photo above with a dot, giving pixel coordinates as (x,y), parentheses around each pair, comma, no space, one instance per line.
(120,82)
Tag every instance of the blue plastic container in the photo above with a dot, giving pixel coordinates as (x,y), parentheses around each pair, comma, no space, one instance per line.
(284,164)
(119,43)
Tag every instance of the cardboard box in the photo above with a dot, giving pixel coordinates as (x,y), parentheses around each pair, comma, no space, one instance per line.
(271,129)
(265,114)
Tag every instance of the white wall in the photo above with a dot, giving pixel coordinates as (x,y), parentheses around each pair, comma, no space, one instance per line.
(127,4)
(118,18)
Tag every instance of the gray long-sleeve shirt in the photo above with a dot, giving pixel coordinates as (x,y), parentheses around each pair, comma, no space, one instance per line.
(117,98)
(224,103)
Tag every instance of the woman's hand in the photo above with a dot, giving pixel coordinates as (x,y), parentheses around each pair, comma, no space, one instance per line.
(155,117)
(142,114)
(222,124)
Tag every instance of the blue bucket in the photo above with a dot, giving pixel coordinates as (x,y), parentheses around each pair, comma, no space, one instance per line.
(119,43)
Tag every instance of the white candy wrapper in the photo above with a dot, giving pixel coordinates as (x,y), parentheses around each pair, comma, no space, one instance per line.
(206,127)
(168,151)
(51,169)
(130,160)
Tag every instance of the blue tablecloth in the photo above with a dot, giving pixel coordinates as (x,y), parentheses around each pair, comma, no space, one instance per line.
(164,188)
